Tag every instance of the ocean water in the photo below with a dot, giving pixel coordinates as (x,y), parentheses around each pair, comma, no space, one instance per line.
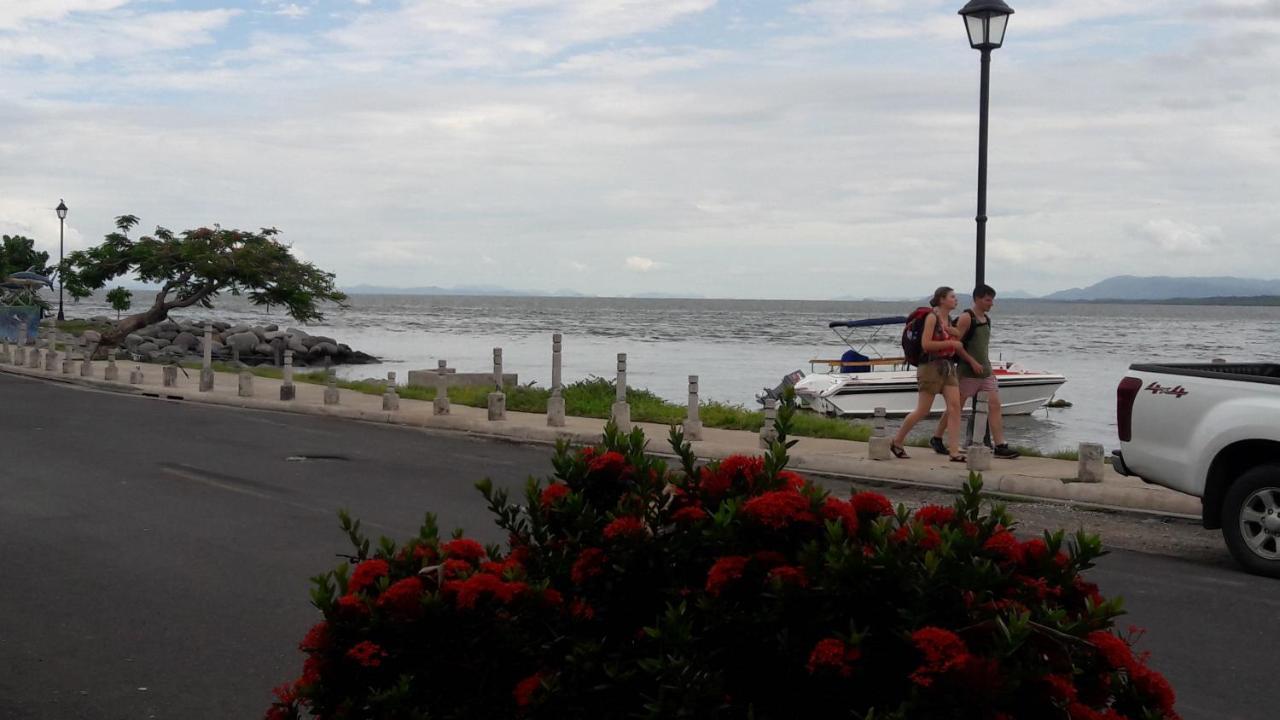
(737,347)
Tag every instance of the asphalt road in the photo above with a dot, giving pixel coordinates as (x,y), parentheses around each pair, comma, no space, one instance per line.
(156,554)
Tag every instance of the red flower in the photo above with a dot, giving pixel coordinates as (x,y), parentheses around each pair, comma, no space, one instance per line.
(1153,685)
(318,638)
(1034,550)
(779,509)
(928,539)
(625,528)
(789,576)
(689,515)
(792,480)
(469,592)
(726,570)
(457,568)
(1114,651)
(367,653)
(935,515)
(526,689)
(833,509)
(1087,590)
(1060,688)
(464,549)
(581,609)
(551,597)
(610,463)
(744,468)
(589,564)
(713,484)
(553,494)
(1003,544)
(425,554)
(943,652)
(352,607)
(833,655)
(403,599)
(870,504)
(366,574)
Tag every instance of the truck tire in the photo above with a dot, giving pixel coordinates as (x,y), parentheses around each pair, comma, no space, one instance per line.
(1251,520)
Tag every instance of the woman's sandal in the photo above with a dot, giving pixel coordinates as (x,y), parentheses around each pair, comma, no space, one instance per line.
(959,458)
(898,451)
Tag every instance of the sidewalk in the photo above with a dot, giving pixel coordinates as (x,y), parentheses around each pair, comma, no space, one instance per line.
(1036,478)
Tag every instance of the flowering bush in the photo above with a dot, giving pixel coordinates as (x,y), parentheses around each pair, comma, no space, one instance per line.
(734,589)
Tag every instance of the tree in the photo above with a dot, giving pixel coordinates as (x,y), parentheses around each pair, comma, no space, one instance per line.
(194,267)
(18,253)
(120,299)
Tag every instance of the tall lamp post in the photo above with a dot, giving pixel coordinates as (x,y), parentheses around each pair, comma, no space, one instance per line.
(62,217)
(986,21)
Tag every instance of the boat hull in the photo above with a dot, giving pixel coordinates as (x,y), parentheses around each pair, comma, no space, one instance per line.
(858,395)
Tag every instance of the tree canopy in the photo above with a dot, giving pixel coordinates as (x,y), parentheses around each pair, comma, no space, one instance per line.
(18,253)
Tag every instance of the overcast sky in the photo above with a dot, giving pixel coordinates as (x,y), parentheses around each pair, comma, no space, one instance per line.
(749,148)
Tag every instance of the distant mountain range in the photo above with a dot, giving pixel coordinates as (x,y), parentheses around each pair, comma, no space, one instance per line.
(1130,287)
(492,291)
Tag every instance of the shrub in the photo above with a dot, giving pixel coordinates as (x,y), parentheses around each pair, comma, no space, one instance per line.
(737,589)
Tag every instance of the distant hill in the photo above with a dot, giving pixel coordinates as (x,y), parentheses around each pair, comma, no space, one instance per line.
(487,290)
(1131,287)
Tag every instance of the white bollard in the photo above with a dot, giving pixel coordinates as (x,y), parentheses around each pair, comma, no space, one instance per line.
(331,388)
(977,430)
(769,433)
(68,361)
(86,361)
(287,389)
(112,373)
(390,400)
(621,413)
(1092,466)
(978,458)
(135,376)
(555,403)
(692,419)
(169,375)
(878,445)
(51,357)
(497,398)
(245,388)
(440,406)
(206,369)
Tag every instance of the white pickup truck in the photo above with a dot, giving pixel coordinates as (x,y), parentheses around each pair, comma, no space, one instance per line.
(1212,431)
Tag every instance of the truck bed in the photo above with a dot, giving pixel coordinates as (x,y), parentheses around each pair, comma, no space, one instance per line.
(1268,373)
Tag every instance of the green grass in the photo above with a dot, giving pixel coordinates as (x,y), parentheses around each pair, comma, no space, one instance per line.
(78,327)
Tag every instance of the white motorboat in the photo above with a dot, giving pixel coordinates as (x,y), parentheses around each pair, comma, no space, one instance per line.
(863,379)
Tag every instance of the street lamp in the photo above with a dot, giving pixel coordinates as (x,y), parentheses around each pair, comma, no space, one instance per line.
(986,21)
(62,217)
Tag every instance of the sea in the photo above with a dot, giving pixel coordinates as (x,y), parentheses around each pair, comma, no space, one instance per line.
(739,347)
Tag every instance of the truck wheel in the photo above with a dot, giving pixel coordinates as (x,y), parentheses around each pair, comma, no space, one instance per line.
(1251,520)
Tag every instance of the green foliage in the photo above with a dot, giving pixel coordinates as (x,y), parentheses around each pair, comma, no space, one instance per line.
(121,299)
(18,253)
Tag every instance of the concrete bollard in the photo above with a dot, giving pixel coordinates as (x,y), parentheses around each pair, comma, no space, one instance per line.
(86,362)
(112,373)
(976,432)
(331,388)
(1092,467)
(68,361)
(34,359)
(169,375)
(20,354)
(206,369)
(390,400)
(692,419)
(978,458)
(287,390)
(621,412)
(555,403)
(497,399)
(246,384)
(135,375)
(51,357)
(878,445)
(4,351)
(440,406)
(769,433)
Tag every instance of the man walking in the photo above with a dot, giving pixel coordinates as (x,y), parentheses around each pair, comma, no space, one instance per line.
(974,327)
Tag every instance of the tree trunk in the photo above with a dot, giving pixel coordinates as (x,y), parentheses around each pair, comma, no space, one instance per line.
(154,314)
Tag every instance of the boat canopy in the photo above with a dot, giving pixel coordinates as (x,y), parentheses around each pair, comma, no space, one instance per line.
(869,322)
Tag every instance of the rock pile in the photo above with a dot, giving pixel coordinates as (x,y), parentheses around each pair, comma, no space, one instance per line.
(254,345)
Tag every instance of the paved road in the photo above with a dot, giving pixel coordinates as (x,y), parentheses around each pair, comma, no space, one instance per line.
(156,554)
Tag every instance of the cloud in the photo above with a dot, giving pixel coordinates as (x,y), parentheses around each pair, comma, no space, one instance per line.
(641,264)
(293,10)
(1174,236)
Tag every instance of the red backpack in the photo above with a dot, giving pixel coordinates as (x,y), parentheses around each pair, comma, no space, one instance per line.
(913,336)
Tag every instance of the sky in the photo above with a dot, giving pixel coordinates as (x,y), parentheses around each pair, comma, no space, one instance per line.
(750,148)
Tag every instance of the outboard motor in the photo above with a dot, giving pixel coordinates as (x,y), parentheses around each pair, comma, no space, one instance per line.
(776,393)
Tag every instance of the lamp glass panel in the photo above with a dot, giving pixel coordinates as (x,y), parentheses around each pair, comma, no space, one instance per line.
(977,30)
(998,24)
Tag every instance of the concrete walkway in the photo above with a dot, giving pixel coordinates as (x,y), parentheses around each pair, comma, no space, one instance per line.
(1037,478)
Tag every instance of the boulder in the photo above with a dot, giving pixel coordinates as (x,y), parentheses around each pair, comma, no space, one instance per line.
(263,349)
(272,328)
(99,319)
(297,347)
(92,337)
(167,326)
(146,347)
(148,331)
(133,340)
(167,334)
(237,329)
(270,335)
(217,347)
(322,349)
(243,342)
(312,340)
(185,340)
(162,343)
(220,326)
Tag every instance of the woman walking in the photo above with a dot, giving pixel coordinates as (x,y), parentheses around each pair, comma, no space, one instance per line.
(937,374)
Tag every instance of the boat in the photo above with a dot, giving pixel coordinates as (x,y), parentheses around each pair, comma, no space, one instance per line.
(864,379)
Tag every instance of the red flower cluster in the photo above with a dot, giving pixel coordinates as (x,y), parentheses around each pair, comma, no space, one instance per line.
(1005,546)
(464,549)
(870,505)
(625,528)
(366,574)
(467,593)
(611,463)
(789,576)
(527,689)
(403,599)
(689,515)
(779,509)
(833,509)
(590,563)
(318,638)
(725,571)
(935,515)
(943,652)
(832,655)
(366,653)
(553,493)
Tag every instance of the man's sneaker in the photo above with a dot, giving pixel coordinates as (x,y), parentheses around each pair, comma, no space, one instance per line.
(1006,452)
(935,442)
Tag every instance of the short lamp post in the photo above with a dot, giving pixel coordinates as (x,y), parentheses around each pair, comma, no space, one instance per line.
(986,21)
(62,217)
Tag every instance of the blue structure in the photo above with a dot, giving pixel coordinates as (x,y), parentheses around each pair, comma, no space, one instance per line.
(18,321)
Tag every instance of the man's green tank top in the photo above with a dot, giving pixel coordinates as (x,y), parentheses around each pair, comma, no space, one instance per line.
(979,347)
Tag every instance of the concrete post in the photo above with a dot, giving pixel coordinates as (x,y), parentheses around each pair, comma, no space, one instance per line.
(692,419)
(555,403)
(287,390)
(978,458)
(112,373)
(497,399)
(1092,467)
(331,388)
(51,357)
(246,384)
(34,361)
(135,375)
(440,406)
(621,413)
(169,375)
(878,445)
(206,369)
(235,356)
(20,353)
(86,362)
(769,433)
(978,421)
(4,352)
(390,400)
(68,361)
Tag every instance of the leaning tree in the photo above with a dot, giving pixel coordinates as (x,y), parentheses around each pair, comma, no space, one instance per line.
(193,267)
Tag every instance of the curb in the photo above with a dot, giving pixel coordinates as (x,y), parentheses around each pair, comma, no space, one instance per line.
(1149,500)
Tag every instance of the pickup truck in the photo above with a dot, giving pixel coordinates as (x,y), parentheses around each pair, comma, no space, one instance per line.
(1212,431)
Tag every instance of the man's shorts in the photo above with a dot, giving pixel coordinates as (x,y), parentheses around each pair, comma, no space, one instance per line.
(972,386)
(935,375)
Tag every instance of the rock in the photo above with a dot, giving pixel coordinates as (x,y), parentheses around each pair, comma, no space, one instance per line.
(162,343)
(272,335)
(237,329)
(312,340)
(133,340)
(297,347)
(185,340)
(243,342)
(146,347)
(92,337)
(321,350)
(99,319)
(264,349)
(167,334)
(168,326)
(150,355)
(217,347)
(272,328)
(148,331)
(220,326)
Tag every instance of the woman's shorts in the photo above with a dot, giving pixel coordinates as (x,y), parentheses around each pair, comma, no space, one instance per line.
(935,375)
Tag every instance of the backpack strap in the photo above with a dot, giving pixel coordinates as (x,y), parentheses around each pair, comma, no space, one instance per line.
(973,326)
